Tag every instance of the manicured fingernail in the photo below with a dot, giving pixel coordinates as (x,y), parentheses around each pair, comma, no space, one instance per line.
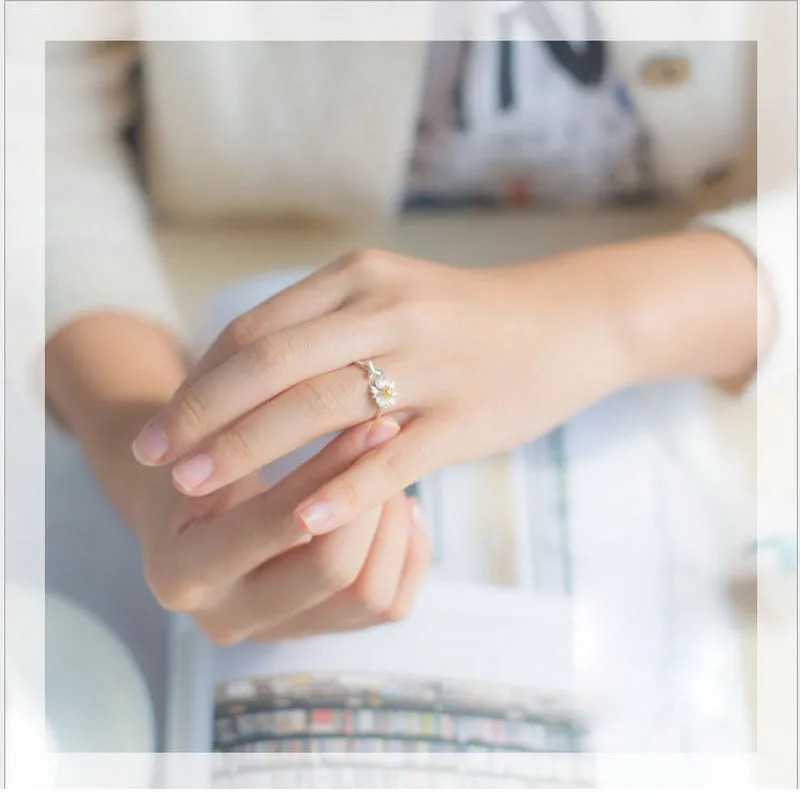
(192,473)
(316,516)
(150,445)
(380,431)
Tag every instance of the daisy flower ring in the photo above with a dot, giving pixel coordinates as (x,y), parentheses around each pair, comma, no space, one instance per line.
(382,390)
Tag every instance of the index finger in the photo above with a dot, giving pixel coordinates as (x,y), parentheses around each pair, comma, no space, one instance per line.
(318,292)
(254,376)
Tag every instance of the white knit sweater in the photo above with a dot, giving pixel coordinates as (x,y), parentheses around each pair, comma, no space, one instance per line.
(323,127)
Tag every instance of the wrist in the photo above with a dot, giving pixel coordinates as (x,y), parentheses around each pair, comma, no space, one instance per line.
(131,487)
(668,307)
(106,376)
(572,291)
(687,307)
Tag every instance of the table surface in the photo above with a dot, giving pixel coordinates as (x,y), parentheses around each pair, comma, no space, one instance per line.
(199,261)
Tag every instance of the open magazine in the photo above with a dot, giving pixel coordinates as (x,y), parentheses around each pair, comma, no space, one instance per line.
(575,608)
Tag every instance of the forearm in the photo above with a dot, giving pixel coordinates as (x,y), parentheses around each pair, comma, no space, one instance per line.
(106,375)
(682,305)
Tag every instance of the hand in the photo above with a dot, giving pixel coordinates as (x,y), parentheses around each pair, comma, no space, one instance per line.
(483,360)
(240,564)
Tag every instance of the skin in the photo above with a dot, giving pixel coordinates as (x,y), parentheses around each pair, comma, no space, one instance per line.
(483,360)
(108,373)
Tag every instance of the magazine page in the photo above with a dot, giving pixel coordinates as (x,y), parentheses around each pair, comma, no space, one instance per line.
(575,607)
(471,671)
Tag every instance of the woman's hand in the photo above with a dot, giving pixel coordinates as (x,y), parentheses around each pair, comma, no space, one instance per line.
(482,359)
(237,560)
(240,564)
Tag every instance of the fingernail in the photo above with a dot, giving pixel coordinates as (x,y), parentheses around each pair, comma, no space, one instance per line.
(316,516)
(379,432)
(193,472)
(150,445)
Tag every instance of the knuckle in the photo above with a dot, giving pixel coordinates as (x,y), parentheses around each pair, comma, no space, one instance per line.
(396,612)
(365,256)
(237,446)
(317,400)
(366,261)
(342,390)
(191,411)
(412,314)
(172,590)
(333,571)
(370,598)
(241,332)
(270,353)
(220,634)
(263,353)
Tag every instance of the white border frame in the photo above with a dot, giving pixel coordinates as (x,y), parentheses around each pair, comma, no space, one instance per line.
(29,26)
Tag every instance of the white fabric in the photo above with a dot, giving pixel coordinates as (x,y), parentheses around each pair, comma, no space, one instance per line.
(766,230)
(326,128)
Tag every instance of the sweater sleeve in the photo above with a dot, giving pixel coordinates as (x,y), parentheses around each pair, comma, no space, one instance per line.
(100,252)
(765,224)
(765,228)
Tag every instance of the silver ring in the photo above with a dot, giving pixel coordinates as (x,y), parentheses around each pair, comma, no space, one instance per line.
(382,390)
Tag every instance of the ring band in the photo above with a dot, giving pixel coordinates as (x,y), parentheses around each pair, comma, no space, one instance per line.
(382,390)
